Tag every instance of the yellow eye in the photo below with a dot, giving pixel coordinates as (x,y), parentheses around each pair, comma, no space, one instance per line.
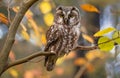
(71,15)
(61,15)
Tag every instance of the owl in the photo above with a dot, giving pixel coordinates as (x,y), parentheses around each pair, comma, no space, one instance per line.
(62,37)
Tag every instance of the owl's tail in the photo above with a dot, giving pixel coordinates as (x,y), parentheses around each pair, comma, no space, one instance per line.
(50,62)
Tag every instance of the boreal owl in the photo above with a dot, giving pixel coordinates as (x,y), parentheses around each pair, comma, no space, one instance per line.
(63,35)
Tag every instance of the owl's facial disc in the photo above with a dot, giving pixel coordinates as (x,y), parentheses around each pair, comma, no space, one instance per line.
(67,15)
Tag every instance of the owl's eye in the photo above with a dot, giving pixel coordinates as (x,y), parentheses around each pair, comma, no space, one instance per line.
(71,15)
(61,15)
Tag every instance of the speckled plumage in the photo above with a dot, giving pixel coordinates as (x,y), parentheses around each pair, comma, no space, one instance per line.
(63,35)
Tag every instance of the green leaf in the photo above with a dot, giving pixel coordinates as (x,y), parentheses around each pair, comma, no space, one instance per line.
(104,31)
(116,37)
(105,44)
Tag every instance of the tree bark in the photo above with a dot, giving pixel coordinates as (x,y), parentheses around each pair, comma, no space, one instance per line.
(25,5)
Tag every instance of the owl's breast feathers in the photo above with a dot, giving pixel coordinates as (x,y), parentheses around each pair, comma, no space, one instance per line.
(60,40)
(66,36)
(52,37)
(70,37)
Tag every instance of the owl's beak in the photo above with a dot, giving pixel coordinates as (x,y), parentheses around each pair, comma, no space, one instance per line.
(66,20)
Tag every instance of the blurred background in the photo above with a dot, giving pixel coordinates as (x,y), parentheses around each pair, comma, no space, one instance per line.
(30,38)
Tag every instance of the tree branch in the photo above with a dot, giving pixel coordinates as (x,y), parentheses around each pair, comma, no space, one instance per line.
(28,58)
(25,5)
(86,48)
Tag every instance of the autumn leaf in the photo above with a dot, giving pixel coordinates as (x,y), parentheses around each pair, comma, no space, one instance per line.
(105,44)
(89,8)
(3,18)
(48,19)
(104,31)
(14,73)
(88,38)
(45,7)
(43,38)
(116,37)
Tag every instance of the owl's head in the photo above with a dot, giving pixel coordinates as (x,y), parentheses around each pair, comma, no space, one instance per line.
(68,15)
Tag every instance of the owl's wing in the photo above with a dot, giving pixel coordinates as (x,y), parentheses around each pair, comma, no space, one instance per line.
(52,36)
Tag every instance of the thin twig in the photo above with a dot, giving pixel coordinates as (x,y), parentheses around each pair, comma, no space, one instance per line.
(86,48)
(8,10)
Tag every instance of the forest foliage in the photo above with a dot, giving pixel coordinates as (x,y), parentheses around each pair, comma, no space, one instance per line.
(32,34)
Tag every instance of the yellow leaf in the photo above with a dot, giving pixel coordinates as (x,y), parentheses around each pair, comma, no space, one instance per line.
(116,36)
(45,7)
(88,38)
(43,38)
(14,73)
(48,19)
(104,31)
(25,35)
(105,44)
(3,18)
(89,8)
